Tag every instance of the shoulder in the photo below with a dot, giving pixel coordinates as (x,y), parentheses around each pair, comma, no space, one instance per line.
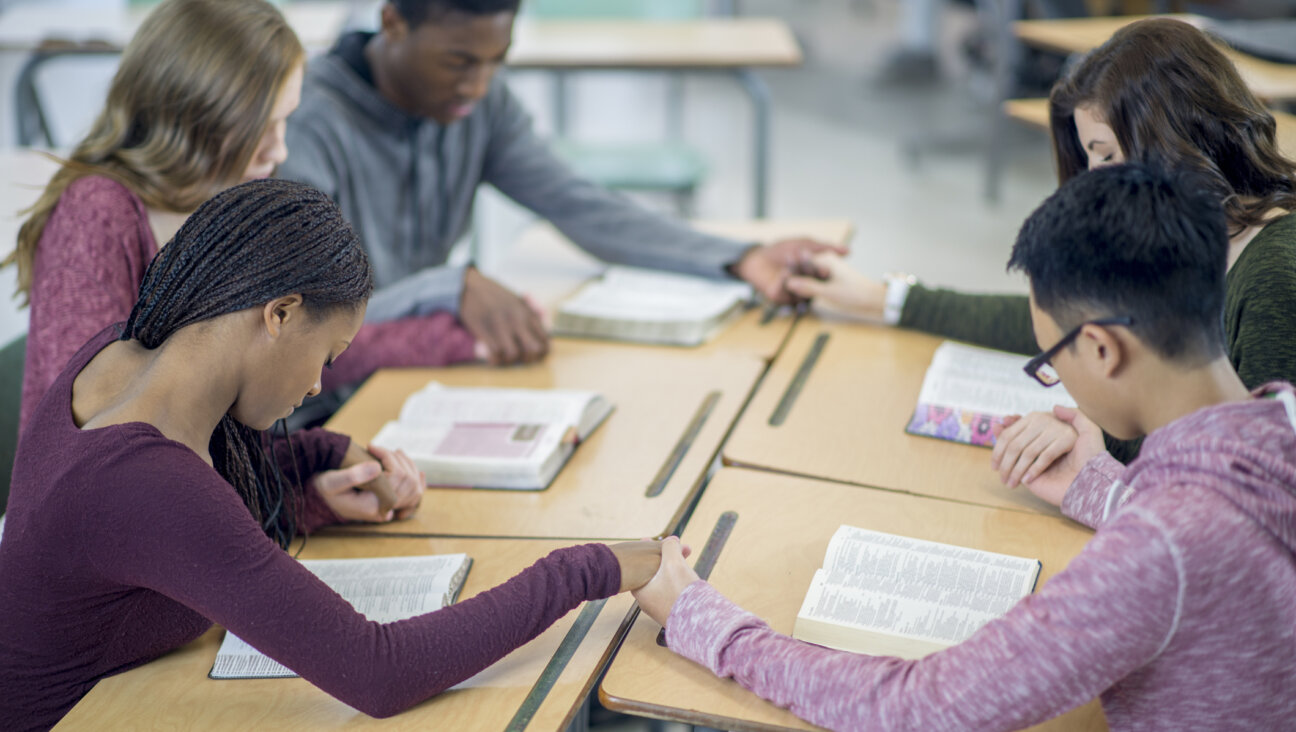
(100,194)
(1266,270)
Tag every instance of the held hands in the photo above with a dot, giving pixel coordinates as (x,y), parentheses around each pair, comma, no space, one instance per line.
(507,327)
(658,596)
(837,287)
(1044,451)
(768,268)
(365,489)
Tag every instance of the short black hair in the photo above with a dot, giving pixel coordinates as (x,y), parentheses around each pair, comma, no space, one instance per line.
(1137,241)
(416,12)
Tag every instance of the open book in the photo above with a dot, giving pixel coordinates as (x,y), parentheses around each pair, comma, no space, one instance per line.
(493,438)
(384,590)
(651,307)
(889,595)
(969,390)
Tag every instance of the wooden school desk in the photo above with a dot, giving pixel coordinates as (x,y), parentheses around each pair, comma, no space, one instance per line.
(846,422)
(664,410)
(778,541)
(733,45)
(1035,112)
(547,266)
(174,692)
(1272,81)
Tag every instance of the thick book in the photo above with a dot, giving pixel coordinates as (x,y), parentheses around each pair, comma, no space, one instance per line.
(647,306)
(888,595)
(969,390)
(516,439)
(384,590)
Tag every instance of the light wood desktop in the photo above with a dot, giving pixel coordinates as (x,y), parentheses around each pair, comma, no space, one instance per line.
(602,492)
(1035,112)
(547,266)
(174,692)
(847,423)
(1272,81)
(782,532)
(710,43)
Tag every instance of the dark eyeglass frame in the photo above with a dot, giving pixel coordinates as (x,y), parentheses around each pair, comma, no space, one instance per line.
(1033,366)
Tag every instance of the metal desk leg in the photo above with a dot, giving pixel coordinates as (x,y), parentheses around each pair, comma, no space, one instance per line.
(760,98)
(1007,59)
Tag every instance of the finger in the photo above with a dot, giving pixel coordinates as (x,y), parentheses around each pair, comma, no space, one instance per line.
(533,338)
(1044,461)
(1064,413)
(1028,456)
(686,551)
(806,287)
(382,488)
(671,549)
(503,345)
(1013,447)
(335,481)
(1004,440)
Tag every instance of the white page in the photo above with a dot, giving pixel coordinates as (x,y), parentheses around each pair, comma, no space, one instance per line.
(383,589)
(922,589)
(984,381)
(438,404)
(634,295)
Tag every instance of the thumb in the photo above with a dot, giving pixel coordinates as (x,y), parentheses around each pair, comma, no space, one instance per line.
(807,287)
(1065,413)
(334,481)
(671,549)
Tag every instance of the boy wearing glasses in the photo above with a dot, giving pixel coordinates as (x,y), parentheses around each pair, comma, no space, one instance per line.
(1180,612)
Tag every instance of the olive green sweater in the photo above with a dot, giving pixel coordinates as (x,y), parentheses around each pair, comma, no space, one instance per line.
(1259,315)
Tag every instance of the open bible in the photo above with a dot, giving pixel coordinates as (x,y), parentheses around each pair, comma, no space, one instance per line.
(969,390)
(384,590)
(890,595)
(651,307)
(493,438)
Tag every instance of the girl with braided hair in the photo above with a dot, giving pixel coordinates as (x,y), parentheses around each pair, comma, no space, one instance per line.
(148,452)
(199,103)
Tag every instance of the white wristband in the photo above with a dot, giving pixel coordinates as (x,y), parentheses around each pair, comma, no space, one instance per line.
(897,292)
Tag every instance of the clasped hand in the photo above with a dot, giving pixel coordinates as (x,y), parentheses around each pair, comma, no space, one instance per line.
(376,485)
(1045,451)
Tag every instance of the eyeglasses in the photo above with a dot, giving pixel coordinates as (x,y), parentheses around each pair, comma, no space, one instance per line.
(1039,367)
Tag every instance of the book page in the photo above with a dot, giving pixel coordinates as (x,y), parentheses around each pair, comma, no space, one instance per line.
(983,381)
(631,294)
(437,404)
(384,590)
(914,588)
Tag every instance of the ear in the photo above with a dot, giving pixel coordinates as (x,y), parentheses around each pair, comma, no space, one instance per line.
(1103,350)
(394,25)
(281,312)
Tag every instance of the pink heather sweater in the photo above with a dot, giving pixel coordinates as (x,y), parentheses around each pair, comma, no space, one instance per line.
(1180,612)
(89,264)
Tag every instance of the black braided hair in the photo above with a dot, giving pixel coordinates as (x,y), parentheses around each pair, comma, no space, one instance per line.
(242,248)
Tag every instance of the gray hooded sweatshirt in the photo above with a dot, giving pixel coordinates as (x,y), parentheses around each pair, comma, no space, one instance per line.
(407,185)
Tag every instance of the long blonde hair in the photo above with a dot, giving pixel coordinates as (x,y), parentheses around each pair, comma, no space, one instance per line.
(185,112)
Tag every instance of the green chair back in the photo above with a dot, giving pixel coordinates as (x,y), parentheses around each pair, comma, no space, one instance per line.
(12,357)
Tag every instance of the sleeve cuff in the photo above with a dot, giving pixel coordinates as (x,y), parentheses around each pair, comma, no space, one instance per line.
(1087,499)
(897,292)
(702,621)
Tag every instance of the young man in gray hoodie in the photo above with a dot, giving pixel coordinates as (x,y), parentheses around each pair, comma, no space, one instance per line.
(400,127)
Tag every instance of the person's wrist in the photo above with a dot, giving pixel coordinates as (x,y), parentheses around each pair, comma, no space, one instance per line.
(737,268)
(898,285)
